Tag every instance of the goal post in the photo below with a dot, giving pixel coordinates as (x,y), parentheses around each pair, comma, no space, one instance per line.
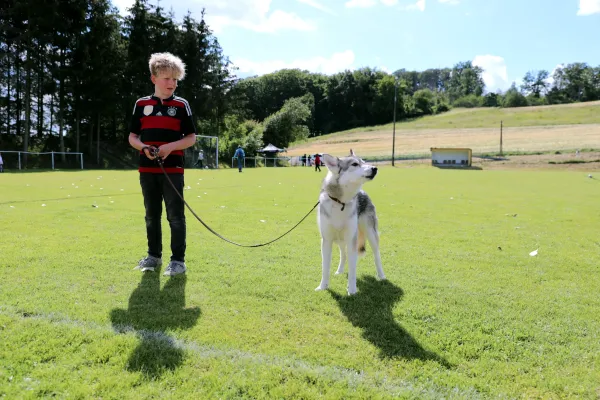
(204,153)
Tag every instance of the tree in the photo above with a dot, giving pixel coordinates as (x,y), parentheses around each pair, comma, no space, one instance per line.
(80,66)
(466,79)
(435,79)
(340,95)
(469,101)
(575,82)
(139,47)
(270,91)
(592,84)
(535,83)
(288,124)
(384,99)
(492,100)
(411,79)
(424,102)
(236,132)
(196,87)
(514,98)
(102,78)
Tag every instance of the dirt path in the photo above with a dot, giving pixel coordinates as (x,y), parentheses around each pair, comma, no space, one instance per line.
(587,161)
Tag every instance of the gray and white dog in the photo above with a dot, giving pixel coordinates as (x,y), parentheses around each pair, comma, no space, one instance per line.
(346,215)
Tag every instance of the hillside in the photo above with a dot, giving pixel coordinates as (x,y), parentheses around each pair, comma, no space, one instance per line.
(556,127)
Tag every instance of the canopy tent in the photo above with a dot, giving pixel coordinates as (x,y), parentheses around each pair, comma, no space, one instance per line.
(271,149)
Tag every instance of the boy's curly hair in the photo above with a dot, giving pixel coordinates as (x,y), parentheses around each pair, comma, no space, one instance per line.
(160,62)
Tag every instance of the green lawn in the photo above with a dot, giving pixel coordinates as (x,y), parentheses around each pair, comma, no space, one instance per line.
(466,312)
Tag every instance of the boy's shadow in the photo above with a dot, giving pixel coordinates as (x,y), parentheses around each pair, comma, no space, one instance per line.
(371,310)
(151,312)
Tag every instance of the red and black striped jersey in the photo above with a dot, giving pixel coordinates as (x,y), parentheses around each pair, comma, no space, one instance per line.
(158,122)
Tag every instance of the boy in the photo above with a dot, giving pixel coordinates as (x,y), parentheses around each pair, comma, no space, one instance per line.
(164,122)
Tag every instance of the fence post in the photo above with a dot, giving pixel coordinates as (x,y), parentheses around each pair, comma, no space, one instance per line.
(19,161)
(500,137)
(53,160)
(81,155)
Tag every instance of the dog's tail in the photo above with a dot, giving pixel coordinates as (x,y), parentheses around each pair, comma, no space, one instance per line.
(361,242)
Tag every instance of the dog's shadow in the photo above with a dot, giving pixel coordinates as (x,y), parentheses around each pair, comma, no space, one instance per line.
(371,309)
(151,312)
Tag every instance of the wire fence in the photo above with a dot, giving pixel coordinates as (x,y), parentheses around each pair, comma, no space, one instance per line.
(42,160)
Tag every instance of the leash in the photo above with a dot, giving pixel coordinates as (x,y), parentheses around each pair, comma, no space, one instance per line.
(160,163)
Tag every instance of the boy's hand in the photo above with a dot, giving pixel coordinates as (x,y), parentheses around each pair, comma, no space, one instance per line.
(164,151)
(149,151)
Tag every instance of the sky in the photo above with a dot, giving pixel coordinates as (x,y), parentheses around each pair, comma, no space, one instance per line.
(507,38)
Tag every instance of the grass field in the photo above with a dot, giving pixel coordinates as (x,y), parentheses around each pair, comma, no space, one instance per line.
(466,312)
(561,127)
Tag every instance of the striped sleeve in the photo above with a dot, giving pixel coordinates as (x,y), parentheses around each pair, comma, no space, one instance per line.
(187,123)
(136,117)
(188,109)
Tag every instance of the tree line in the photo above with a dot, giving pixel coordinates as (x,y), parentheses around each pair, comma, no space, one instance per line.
(71,70)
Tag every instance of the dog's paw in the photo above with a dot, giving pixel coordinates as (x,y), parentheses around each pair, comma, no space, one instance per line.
(382,278)
(351,289)
(339,271)
(321,287)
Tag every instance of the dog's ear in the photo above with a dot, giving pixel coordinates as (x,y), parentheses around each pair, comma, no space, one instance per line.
(331,162)
(352,153)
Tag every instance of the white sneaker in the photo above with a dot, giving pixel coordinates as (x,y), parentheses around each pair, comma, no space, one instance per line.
(175,268)
(148,263)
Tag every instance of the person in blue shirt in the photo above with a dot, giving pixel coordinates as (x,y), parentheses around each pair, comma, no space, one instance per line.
(239,154)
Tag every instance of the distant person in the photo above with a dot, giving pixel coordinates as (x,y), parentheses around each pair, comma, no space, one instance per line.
(239,154)
(200,160)
(317,162)
(304,160)
(1,163)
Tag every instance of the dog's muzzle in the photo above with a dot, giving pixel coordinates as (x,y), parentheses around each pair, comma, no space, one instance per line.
(373,173)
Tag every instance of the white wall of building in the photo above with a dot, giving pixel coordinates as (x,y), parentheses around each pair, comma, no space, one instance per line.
(450,157)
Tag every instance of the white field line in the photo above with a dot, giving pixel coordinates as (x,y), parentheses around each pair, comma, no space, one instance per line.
(354,379)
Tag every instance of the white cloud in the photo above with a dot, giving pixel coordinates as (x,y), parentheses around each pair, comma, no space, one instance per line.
(336,63)
(550,79)
(453,2)
(588,7)
(254,15)
(494,74)
(316,5)
(360,3)
(276,21)
(419,5)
